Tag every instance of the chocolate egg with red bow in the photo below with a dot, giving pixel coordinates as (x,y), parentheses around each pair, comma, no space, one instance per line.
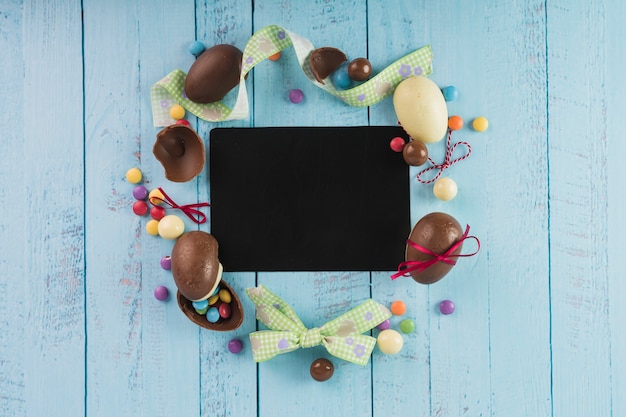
(436,233)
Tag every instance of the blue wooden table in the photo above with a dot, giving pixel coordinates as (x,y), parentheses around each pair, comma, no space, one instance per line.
(539,326)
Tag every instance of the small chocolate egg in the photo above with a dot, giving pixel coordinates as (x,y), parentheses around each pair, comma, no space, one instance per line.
(436,232)
(360,69)
(181,152)
(421,109)
(415,153)
(213,74)
(322,369)
(324,61)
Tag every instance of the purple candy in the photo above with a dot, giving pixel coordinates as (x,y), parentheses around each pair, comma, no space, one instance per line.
(161,293)
(235,346)
(384,325)
(446,307)
(296,96)
(140,192)
(166,263)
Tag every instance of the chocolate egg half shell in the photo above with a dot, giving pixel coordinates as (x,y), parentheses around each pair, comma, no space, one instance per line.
(213,74)
(324,61)
(197,272)
(437,232)
(181,152)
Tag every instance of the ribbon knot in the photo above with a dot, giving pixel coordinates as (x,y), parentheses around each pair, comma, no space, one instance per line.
(342,336)
(447,162)
(448,257)
(190,210)
(311,337)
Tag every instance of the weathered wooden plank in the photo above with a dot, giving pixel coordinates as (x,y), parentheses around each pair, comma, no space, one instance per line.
(577,109)
(15,256)
(52,342)
(228,382)
(140,352)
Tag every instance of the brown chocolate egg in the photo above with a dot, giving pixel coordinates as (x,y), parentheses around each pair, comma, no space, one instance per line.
(197,272)
(436,232)
(322,369)
(324,61)
(415,153)
(181,152)
(359,69)
(213,74)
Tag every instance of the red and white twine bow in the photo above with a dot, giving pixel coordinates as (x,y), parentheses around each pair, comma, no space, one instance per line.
(190,210)
(448,257)
(447,162)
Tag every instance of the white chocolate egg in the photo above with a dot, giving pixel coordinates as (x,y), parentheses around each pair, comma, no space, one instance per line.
(421,109)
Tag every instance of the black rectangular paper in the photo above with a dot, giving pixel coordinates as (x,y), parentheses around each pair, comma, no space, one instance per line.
(308,198)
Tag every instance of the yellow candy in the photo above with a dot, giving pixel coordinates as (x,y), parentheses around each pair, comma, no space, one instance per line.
(171,227)
(152,227)
(134,175)
(445,189)
(157,195)
(480,124)
(213,299)
(225,296)
(390,342)
(177,112)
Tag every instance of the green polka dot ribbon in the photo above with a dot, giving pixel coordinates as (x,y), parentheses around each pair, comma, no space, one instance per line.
(341,337)
(266,42)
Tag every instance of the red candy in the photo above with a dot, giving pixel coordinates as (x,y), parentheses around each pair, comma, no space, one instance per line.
(224,310)
(157,212)
(397,144)
(182,122)
(140,207)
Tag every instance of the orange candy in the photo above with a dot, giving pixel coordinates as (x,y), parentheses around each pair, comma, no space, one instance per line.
(455,122)
(275,57)
(398,308)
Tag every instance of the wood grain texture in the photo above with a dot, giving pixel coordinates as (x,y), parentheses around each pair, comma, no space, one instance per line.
(577,106)
(48,304)
(538,329)
(14,255)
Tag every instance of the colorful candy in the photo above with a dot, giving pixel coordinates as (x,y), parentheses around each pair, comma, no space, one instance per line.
(140,207)
(275,57)
(196,48)
(398,308)
(157,212)
(161,293)
(384,325)
(407,326)
(450,93)
(340,78)
(134,175)
(447,307)
(140,192)
(156,197)
(296,95)
(397,144)
(166,263)
(152,227)
(235,346)
(455,122)
(480,124)
(177,112)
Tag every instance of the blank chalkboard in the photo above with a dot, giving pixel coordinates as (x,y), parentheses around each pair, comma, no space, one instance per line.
(308,198)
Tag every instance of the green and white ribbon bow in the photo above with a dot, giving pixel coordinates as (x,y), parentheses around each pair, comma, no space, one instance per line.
(341,337)
(266,42)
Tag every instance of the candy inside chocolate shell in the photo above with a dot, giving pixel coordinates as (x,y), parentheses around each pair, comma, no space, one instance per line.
(197,273)
(324,61)
(181,152)
(213,74)
(436,232)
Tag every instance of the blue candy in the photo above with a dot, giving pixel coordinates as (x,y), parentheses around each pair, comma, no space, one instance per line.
(196,48)
(340,78)
(200,305)
(450,93)
(213,315)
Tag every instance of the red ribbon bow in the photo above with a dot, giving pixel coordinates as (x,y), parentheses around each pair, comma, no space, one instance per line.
(447,162)
(189,209)
(406,267)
